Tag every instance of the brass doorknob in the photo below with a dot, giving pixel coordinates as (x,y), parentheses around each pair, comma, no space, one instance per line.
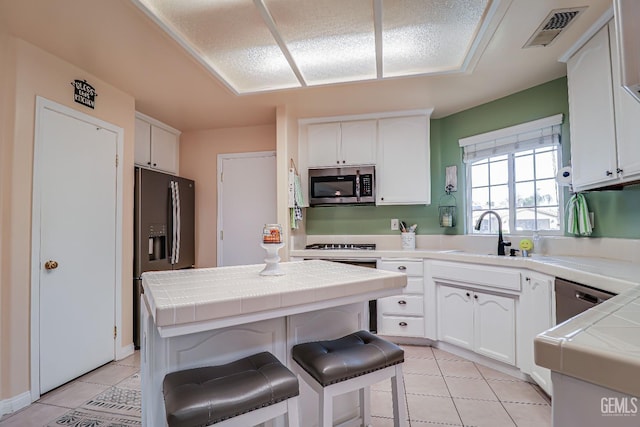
(51,265)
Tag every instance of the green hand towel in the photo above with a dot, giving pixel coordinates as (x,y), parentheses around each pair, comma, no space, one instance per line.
(578,222)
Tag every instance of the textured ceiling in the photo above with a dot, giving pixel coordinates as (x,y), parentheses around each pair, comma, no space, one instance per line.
(118,43)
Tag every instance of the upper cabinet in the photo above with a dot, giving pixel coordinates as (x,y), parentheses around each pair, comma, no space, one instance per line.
(156,145)
(396,143)
(403,173)
(604,150)
(342,144)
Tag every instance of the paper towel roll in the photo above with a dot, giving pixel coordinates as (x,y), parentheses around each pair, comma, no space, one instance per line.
(564,176)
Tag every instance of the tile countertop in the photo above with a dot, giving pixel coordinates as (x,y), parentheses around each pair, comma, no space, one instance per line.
(610,275)
(601,345)
(196,295)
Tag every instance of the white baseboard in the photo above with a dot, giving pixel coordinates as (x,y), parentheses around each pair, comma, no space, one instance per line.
(125,351)
(13,404)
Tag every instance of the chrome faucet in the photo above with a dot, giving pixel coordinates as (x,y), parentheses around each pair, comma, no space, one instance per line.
(501,242)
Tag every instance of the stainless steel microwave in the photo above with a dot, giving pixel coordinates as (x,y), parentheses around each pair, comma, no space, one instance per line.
(336,186)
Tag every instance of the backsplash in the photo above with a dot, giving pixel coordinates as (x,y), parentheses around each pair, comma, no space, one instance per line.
(609,248)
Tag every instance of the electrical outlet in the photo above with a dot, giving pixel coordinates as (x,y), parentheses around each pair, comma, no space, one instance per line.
(395,224)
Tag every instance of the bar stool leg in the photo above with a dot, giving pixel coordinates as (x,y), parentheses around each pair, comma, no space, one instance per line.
(399,399)
(326,409)
(293,418)
(365,406)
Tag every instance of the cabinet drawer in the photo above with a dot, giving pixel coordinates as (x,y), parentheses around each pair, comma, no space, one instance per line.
(495,277)
(415,285)
(406,305)
(401,326)
(411,268)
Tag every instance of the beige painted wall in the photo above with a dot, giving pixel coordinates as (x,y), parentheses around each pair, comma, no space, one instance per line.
(39,73)
(198,161)
(7,93)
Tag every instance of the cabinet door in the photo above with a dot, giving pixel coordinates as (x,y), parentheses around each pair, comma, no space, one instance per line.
(164,150)
(495,327)
(455,316)
(142,154)
(323,142)
(358,142)
(403,161)
(536,306)
(593,155)
(627,116)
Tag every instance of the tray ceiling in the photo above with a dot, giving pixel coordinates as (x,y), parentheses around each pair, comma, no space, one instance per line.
(264,45)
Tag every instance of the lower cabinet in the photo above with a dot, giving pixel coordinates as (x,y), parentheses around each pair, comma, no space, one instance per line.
(403,315)
(536,316)
(478,321)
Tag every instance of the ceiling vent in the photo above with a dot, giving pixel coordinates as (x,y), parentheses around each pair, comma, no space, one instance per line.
(555,23)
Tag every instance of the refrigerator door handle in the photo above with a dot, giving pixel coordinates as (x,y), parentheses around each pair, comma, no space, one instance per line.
(177,216)
(174,242)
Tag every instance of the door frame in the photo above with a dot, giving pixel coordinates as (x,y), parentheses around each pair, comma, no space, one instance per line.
(221,158)
(43,104)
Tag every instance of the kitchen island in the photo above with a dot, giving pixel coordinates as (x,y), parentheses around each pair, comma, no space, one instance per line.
(200,317)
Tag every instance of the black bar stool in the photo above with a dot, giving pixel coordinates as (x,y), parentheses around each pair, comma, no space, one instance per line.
(350,363)
(243,393)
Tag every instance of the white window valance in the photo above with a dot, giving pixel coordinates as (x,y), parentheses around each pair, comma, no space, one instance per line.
(525,136)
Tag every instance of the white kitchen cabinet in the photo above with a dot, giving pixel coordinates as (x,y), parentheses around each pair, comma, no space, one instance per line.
(403,168)
(156,145)
(338,144)
(455,316)
(603,115)
(627,114)
(535,316)
(494,324)
(478,321)
(403,315)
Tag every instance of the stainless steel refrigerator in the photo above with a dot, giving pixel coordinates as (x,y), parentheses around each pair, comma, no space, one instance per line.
(164,229)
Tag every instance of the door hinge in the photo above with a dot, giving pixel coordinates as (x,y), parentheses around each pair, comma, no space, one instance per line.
(221,176)
(221,234)
(117,160)
(115,332)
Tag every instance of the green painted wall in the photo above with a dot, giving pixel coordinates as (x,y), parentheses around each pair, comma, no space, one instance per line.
(616,212)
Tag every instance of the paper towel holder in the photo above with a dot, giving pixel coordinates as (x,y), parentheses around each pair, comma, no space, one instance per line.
(564,178)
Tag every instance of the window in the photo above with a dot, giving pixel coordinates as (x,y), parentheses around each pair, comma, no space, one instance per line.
(513,172)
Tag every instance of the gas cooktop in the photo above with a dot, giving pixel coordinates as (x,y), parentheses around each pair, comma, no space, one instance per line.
(338,246)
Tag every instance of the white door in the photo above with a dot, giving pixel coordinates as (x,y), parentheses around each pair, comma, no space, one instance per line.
(246,202)
(77,182)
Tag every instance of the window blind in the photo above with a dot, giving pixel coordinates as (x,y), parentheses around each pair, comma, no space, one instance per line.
(525,136)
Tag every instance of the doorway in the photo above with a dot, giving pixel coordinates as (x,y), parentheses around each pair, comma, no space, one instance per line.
(76,245)
(246,201)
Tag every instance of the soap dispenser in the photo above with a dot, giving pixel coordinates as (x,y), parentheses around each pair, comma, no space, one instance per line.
(537,242)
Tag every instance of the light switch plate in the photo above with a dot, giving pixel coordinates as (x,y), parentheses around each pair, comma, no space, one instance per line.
(395,224)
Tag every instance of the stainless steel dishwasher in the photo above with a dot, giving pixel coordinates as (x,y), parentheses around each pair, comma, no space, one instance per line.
(573,298)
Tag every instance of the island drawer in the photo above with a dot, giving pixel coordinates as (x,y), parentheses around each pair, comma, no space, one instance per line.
(404,305)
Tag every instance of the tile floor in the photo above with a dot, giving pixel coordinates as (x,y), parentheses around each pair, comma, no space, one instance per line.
(442,390)
(446,390)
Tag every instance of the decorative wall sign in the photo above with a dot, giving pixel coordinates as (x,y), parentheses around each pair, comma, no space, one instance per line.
(84,93)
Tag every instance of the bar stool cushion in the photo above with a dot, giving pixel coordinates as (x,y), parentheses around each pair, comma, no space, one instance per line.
(204,396)
(359,353)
